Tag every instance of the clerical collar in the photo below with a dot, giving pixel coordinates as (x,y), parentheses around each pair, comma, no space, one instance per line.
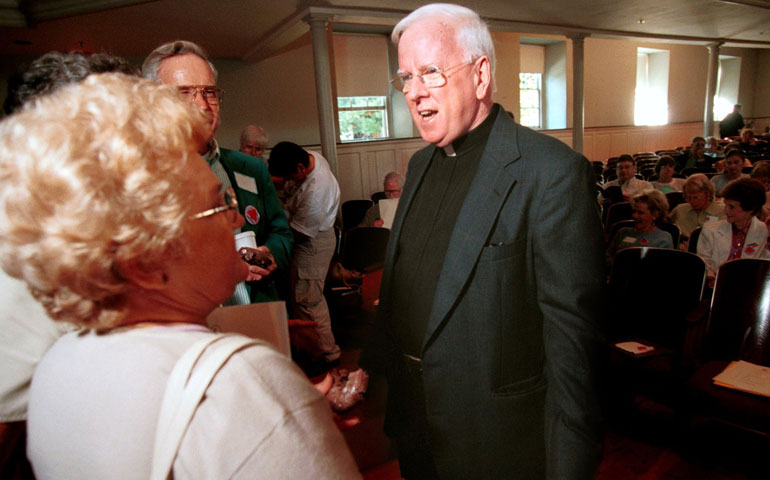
(476,137)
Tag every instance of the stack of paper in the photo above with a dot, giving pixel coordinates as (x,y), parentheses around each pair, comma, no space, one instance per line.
(746,377)
(634,348)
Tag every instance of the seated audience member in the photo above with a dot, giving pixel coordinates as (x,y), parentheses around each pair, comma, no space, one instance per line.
(713,147)
(694,156)
(761,173)
(650,209)
(26,332)
(740,234)
(731,125)
(253,141)
(132,240)
(734,163)
(666,181)
(629,184)
(700,206)
(747,138)
(719,165)
(393,185)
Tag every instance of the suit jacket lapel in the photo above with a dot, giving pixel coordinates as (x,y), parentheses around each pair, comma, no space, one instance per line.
(487,194)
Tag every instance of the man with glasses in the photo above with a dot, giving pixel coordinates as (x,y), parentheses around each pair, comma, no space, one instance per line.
(488,321)
(253,141)
(185,65)
(393,185)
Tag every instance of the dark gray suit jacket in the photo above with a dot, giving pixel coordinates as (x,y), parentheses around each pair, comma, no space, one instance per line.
(510,347)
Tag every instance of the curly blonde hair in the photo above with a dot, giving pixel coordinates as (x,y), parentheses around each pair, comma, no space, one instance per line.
(90,175)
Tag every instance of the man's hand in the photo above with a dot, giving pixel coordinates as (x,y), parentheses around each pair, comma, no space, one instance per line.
(257,273)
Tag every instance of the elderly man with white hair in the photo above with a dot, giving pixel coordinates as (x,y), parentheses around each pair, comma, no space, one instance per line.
(253,141)
(488,323)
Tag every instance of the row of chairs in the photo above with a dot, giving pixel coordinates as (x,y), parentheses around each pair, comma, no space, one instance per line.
(657,299)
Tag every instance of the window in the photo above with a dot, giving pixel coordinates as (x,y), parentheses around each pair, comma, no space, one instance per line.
(530,89)
(651,99)
(728,80)
(362,118)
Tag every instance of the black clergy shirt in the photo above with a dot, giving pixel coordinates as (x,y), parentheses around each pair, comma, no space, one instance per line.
(426,231)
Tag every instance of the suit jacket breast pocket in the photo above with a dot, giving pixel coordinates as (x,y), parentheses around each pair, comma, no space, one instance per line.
(495,251)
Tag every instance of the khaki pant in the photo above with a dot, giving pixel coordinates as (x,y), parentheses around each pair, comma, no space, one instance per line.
(310,261)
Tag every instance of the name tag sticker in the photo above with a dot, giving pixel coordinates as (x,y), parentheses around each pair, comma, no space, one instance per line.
(246,183)
(629,240)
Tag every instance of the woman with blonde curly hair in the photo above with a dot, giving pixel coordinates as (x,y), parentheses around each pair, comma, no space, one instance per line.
(117,225)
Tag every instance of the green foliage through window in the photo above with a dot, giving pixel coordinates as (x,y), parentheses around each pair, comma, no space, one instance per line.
(529,99)
(362,118)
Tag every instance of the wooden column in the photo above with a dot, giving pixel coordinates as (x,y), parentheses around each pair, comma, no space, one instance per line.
(711,89)
(323,86)
(578,101)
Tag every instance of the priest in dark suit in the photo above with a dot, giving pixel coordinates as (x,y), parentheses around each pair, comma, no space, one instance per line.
(488,324)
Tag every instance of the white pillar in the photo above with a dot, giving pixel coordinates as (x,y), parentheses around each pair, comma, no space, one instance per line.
(323,87)
(578,101)
(711,88)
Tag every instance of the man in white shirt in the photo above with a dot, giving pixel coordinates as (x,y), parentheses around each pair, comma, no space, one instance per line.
(629,184)
(312,210)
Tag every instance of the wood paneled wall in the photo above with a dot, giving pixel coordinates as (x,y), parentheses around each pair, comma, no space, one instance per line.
(362,166)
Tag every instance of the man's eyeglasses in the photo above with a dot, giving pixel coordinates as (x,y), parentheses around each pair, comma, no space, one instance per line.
(431,77)
(229,202)
(211,94)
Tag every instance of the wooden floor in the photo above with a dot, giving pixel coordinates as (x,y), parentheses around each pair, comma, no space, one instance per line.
(647,441)
(652,442)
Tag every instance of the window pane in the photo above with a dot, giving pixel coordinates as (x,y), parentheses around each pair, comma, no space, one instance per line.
(529,81)
(529,99)
(362,118)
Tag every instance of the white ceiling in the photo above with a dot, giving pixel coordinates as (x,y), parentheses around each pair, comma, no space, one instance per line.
(252,29)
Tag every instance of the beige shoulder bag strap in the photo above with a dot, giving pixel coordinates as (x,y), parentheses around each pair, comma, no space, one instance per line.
(185,388)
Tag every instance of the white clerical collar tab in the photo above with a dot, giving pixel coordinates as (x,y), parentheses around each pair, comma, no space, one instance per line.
(449,151)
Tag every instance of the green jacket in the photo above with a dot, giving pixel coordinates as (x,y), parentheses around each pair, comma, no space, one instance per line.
(254,189)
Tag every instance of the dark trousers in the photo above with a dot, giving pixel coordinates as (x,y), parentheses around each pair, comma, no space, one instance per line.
(413,444)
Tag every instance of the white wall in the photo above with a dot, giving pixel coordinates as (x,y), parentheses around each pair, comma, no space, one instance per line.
(361,65)
(761,105)
(277,93)
(555,86)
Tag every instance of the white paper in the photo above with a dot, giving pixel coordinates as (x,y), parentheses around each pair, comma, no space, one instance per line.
(388,211)
(634,347)
(246,183)
(745,376)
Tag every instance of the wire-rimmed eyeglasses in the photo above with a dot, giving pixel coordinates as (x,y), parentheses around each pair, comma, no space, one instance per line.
(210,94)
(229,202)
(431,77)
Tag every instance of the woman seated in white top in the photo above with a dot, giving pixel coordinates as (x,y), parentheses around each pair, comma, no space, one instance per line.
(649,209)
(741,234)
(116,224)
(666,182)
